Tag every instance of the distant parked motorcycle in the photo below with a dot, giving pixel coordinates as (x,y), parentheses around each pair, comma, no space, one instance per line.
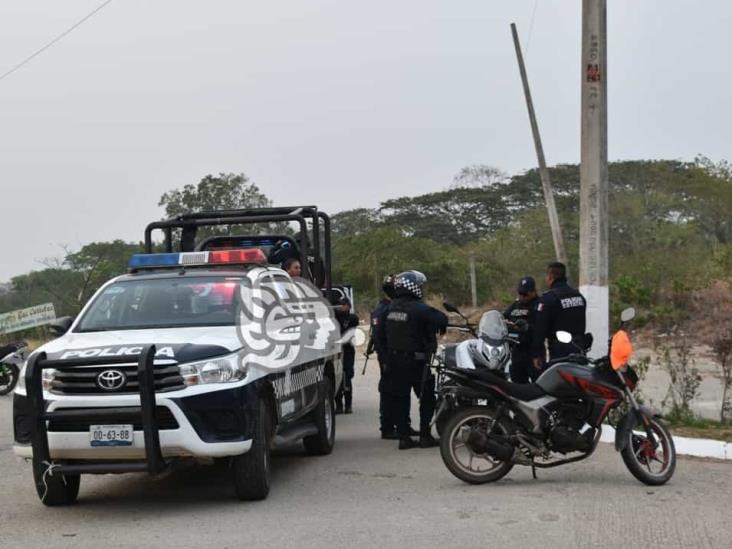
(495,424)
(12,358)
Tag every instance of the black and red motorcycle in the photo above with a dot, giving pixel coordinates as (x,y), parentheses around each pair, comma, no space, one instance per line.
(495,424)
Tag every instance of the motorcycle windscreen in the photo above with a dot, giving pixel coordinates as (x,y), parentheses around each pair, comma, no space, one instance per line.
(621,349)
(492,328)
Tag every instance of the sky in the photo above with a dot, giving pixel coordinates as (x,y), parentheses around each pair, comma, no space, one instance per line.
(336,103)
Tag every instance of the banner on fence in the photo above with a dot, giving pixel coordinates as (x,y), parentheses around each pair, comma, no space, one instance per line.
(22,319)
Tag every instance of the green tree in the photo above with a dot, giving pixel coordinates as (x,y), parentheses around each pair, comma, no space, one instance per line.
(227,191)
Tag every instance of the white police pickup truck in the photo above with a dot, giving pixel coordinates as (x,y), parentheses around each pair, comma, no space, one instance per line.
(211,353)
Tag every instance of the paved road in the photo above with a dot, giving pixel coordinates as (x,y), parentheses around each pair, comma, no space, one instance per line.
(368,494)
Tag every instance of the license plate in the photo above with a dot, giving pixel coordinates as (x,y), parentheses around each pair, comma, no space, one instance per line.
(111,435)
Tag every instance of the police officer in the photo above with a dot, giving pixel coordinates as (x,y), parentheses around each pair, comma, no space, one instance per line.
(561,308)
(521,317)
(410,327)
(387,425)
(346,320)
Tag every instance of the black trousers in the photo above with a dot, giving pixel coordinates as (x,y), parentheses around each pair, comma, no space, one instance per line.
(404,375)
(344,396)
(522,368)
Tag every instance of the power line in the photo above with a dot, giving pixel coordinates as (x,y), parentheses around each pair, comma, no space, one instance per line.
(59,37)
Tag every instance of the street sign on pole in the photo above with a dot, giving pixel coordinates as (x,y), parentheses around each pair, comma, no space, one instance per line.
(593,174)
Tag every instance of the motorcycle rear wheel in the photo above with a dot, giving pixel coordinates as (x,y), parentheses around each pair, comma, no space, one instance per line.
(454,450)
(9,374)
(641,458)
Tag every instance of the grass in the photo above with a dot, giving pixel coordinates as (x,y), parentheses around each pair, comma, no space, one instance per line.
(700,428)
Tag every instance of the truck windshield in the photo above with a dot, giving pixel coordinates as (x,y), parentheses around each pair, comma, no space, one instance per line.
(163,303)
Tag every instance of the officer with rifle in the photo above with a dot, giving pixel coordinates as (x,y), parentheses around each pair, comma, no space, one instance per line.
(409,336)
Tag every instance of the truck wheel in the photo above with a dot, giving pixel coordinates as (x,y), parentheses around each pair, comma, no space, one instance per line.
(252,470)
(323,416)
(56,489)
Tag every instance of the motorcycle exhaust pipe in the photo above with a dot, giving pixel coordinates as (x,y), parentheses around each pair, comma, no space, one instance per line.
(483,443)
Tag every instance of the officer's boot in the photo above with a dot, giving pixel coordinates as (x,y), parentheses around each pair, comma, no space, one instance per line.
(405,443)
(348,398)
(426,440)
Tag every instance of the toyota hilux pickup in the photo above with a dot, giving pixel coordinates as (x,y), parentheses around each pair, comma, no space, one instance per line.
(210,352)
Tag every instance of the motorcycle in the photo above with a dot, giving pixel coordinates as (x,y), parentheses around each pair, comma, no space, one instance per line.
(489,347)
(495,424)
(12,358)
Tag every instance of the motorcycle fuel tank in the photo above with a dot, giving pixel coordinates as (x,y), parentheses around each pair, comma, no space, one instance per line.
(572,380)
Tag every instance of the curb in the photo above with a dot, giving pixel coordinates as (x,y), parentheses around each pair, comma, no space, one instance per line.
(697,447)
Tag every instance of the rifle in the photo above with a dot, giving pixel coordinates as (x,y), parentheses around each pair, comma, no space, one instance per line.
(366,362)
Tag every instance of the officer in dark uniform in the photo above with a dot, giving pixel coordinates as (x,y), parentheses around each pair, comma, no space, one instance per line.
(561,308)
(409,330)
(521,317)
(387,425)
(346,320)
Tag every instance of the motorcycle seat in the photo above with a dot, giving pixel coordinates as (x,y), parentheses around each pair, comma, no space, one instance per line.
(521,391)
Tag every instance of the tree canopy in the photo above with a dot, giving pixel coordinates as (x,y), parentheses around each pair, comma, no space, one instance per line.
(670,234)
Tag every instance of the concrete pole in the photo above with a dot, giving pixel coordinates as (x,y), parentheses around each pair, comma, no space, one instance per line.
(593,173)
(543,171)
(473,283)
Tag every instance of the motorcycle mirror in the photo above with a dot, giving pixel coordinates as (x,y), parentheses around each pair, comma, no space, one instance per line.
(564,337)
(627,314)
(61,325)
(450,308)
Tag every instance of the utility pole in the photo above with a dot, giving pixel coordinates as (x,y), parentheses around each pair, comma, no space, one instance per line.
(593,173)
(543,171)
(473,284)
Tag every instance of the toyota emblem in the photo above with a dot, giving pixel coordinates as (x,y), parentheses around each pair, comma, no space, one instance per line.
(111,380)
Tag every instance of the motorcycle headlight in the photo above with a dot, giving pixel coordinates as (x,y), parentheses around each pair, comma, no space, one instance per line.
(216,370)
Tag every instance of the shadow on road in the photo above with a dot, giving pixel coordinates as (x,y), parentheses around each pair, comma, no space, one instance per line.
(187,485)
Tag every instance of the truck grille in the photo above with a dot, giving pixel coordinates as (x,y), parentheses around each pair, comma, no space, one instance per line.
(77,380)
(166,420)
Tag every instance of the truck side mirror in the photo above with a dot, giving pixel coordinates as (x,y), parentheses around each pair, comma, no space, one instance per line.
(61,325)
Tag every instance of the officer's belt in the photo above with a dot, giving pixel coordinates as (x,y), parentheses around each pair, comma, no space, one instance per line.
(410,354)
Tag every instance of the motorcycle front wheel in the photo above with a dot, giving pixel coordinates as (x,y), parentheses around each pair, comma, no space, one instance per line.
(8,378)
(652,466)
(465,462)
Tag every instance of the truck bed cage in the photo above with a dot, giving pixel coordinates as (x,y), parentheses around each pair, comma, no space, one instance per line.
(153,463)
(309,243)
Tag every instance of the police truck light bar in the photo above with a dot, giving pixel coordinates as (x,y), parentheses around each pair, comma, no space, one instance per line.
(217,257)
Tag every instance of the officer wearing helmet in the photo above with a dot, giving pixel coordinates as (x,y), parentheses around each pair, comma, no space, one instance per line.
(408,335)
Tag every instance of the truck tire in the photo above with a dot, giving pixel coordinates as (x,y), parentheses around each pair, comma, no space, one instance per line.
(252,470)
(56,489)
(323,416)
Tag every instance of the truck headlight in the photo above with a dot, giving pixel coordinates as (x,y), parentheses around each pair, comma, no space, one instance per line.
(21,378)
(47,376)
(215,370)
